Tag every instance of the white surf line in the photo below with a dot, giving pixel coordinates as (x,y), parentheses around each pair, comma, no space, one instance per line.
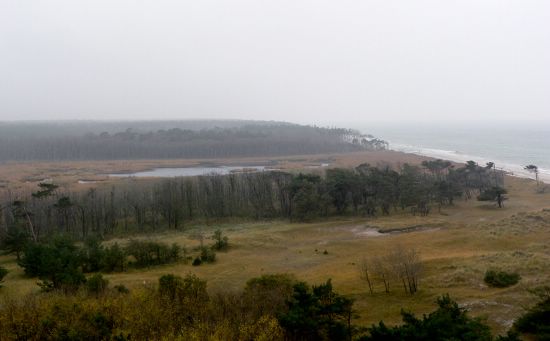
(512,169)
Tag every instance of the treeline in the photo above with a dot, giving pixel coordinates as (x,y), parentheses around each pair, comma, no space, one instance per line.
(241,141)
(142,206)
(270,307)
(59,128)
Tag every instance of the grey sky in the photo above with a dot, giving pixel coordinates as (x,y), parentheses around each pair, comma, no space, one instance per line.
(305,61)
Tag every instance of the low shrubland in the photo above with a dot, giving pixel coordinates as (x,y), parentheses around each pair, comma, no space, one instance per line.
(271,307)
(501,279)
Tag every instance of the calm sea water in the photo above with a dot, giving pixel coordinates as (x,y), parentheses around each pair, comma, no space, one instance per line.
(510,146)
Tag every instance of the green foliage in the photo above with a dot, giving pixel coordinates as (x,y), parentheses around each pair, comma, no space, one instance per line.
(168,285)
(148,253)
(121,289)
(208,255)
(63,203)
(15,240)
(221,242)
(448,322)
(3,273)
(269,294)
(491,193)
(197,261)
(184,299)
(340,183)
(317,313)
(46,190)
(96,284)
(501,279)
(92,254)
(113,259)
(57,263)
(306,196)
(60,263)
(536,321)
(494,193)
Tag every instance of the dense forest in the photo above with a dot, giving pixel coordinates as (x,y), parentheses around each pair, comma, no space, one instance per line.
(26,129)
(208,140)
(144,206)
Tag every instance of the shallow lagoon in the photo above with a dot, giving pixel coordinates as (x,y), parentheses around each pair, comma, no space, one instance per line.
(189,171)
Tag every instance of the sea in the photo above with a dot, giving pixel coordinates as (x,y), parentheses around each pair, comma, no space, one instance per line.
(511,146)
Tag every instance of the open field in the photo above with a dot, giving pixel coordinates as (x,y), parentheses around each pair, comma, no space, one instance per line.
(456,245)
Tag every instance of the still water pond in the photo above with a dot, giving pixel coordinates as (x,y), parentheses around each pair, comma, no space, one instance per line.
(189,171)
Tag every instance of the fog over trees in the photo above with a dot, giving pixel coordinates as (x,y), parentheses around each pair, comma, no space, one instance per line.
(165,140)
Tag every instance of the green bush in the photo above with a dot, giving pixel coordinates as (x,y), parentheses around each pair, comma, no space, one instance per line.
(197,261)
(268,294)
(168,284)
(114,259)
(221,242)
(536,321)
(120,288)
(57,263)
(96,284)
(208,255)
(448,322)
(14,241)
(147,253)
(184,299)
(92,254)
(317,313)
(501,279)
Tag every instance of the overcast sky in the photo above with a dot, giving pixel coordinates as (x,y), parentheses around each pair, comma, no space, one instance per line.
(305,61)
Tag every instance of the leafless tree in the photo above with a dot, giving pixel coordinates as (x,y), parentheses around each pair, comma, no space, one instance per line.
(400,264)
(382,272)
(406,267)
(365,272)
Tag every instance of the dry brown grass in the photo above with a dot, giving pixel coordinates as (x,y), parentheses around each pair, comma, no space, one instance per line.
(26,175)
(462,244)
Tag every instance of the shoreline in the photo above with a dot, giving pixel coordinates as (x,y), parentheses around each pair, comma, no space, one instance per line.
(510,169)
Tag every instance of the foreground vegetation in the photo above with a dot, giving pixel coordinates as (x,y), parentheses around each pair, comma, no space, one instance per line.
(271,307)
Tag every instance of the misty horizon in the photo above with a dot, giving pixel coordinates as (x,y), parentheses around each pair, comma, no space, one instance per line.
(298,61)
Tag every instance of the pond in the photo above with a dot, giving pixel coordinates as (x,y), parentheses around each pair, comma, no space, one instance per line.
(190,171)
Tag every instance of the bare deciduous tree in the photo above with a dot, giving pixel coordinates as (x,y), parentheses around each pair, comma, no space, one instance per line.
(406,267)
(382,272)
(400,264)
(365,272)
